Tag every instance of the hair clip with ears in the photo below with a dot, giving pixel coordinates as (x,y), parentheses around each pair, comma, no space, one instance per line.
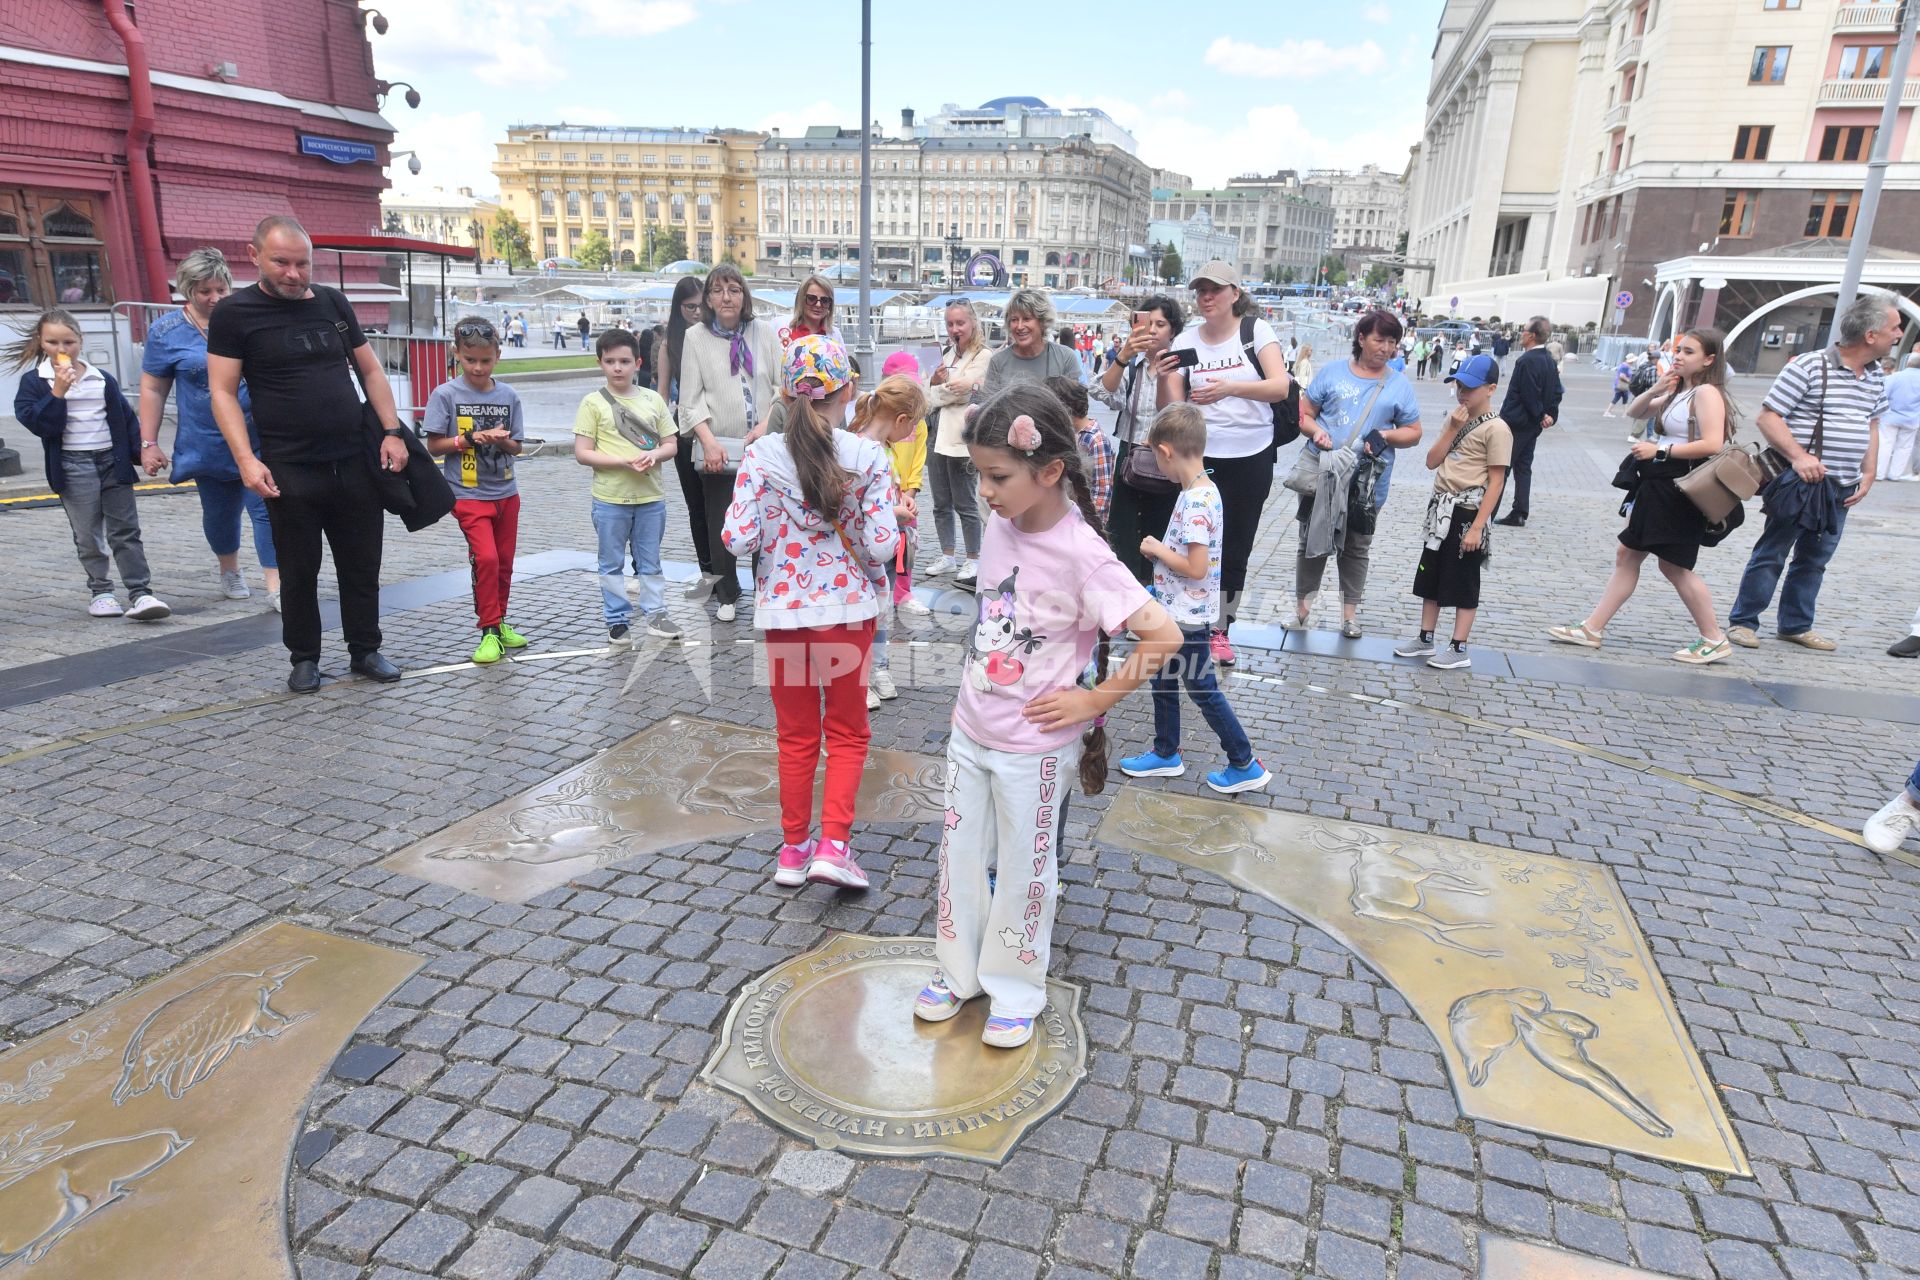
(1023,435)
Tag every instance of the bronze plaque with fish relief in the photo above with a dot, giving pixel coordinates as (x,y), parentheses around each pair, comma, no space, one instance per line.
(1527,968)
(151,1136)
(826,1047)
(680,781)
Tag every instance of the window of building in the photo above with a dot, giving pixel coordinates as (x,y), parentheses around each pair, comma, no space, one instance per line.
(570,157)
(703,208)
(626,205)
(1736,215)
(1865,62)
(546,203)
(1843,142)
(1832,213)
(599,204)
(573,204)
(1752,141)
(653,207)
(546,155)
(1769,64)
(1780,4)
(50,250)
(677,206)
(597,157)
(645,159)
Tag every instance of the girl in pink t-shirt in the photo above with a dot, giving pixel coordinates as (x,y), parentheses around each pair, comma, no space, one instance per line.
(1049,586)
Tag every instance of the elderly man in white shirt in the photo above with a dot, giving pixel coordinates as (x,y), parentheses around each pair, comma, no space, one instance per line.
(1902,423)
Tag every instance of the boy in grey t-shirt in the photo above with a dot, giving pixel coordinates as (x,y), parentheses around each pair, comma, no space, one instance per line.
(475,425)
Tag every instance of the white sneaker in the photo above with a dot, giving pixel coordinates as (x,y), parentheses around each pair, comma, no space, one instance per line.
(912,607)
(105,606)
(873,698)
(882,685)
(273,601)
(1888,829)
(969,572)
(944,565)
(234,585)
(148,607)
(725,613)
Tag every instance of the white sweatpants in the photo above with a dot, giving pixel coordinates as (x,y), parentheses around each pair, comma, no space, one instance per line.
(1896,449)
(1003,812)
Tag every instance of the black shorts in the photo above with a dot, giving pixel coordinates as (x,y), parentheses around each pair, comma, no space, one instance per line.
(1445,575)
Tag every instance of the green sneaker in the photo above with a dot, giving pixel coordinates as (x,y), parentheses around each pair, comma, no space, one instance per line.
(488,649)
(510,638)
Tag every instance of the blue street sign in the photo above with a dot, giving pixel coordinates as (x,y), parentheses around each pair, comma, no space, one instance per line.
(338,150)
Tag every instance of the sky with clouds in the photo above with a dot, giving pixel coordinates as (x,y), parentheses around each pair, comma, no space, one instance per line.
(1213,90)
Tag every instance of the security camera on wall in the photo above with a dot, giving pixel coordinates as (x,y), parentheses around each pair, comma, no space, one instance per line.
(413,164)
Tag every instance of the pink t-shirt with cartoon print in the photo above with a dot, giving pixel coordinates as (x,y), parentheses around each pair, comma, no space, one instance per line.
(1042,597)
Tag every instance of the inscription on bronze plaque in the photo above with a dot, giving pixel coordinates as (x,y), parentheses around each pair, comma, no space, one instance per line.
(677,782)
(1504,1259)
(826,1047)
(151,1136)
(1527,968)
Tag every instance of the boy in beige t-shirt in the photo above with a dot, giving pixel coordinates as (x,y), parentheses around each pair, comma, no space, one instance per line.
(1469,462)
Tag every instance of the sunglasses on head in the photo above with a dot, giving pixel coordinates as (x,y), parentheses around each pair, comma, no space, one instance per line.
(473,329)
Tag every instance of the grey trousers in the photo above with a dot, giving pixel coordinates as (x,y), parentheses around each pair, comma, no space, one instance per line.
(101,511)
(956,491)
(1352,557)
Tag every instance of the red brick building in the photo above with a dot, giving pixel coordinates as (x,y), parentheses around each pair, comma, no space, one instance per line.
(132,134)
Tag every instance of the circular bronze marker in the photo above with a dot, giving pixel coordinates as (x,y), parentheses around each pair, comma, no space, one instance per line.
(826,1047)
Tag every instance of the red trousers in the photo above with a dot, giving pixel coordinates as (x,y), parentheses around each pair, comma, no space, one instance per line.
(818,677)
(492,526)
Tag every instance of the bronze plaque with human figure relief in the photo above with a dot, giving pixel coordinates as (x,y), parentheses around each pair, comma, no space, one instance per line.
(680,781)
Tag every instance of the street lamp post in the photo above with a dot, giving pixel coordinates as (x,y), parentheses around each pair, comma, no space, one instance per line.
(1876,167)
(864,343)
(956,255)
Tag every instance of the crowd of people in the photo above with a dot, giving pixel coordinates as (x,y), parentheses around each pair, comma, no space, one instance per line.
(1066,536)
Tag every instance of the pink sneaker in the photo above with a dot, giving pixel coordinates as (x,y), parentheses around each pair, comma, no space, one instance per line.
(833,864)
(1221,650)
(792,869)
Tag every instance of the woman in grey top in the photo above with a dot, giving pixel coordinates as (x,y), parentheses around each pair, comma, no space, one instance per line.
(1028,356)
(727,369)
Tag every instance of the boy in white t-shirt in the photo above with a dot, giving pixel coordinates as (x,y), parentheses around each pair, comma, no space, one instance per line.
(1186,580)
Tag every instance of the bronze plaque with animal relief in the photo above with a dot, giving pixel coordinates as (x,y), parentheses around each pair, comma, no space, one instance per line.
(1527,968)
(826,1047)
(680,781)
(151,1136)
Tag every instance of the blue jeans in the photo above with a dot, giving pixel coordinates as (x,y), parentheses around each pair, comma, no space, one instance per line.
(221,502)
(1194,664)
(622,528)
(1811,551)
(1913,784)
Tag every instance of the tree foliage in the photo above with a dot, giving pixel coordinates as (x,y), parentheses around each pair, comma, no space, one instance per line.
(669,245)
(1171,268)
(510,240)
(594,253)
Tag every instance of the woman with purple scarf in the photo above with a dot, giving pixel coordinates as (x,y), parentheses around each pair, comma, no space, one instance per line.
(728,366)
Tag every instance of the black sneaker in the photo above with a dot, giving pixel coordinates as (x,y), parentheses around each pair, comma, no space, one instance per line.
(1513,522)
(1907,647)
(617,636)
(1452,658)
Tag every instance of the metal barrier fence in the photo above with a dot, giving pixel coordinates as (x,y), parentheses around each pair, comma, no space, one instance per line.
(415,363)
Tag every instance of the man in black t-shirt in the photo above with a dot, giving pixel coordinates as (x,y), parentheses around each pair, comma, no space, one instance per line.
(298,346)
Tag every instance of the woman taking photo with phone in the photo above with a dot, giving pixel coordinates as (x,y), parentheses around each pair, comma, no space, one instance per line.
(1130,386)
(1235,373)
(1693,417)
(950,473)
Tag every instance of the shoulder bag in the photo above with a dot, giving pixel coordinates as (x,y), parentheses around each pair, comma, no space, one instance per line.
(1738,472)
(418,493)
(1304,479)
(1140,469)
(628,424)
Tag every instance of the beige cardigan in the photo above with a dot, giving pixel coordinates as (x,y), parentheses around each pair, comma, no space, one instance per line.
(952,408)
(710,392)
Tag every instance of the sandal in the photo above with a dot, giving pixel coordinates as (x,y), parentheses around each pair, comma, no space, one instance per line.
(1577,635)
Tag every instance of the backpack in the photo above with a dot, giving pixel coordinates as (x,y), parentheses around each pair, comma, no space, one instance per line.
(1644,377)
(1286,413)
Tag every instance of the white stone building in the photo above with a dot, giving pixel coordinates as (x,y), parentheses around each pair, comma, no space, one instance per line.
(1369,210)
(1283,227)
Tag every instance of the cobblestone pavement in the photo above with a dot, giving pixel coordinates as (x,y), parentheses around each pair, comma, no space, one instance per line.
(1260,1103)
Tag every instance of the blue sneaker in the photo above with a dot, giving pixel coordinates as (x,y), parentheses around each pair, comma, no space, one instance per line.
(1149,765)
(1229,780)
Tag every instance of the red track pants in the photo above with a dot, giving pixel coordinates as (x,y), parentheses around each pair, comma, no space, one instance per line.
(818,677)
(492,526)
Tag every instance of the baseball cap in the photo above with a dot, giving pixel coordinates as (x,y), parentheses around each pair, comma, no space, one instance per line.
(1476,371)
(1220,273)
(900,362)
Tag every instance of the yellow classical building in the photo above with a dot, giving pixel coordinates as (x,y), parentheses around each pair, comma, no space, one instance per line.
(564,182)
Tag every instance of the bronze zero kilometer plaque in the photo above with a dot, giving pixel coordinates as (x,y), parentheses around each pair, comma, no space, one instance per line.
(826,1047)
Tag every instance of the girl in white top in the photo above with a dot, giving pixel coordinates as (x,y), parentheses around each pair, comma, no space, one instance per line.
(1694,420)
(1237,397)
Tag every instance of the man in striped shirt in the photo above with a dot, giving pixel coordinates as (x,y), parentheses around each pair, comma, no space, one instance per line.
(1843,391)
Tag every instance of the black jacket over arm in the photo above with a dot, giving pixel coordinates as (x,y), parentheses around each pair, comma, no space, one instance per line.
(1534,392)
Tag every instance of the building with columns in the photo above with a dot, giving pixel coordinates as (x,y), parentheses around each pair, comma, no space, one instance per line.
(1573,146)
(1057,208)
(1282,226)
(1369,211)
